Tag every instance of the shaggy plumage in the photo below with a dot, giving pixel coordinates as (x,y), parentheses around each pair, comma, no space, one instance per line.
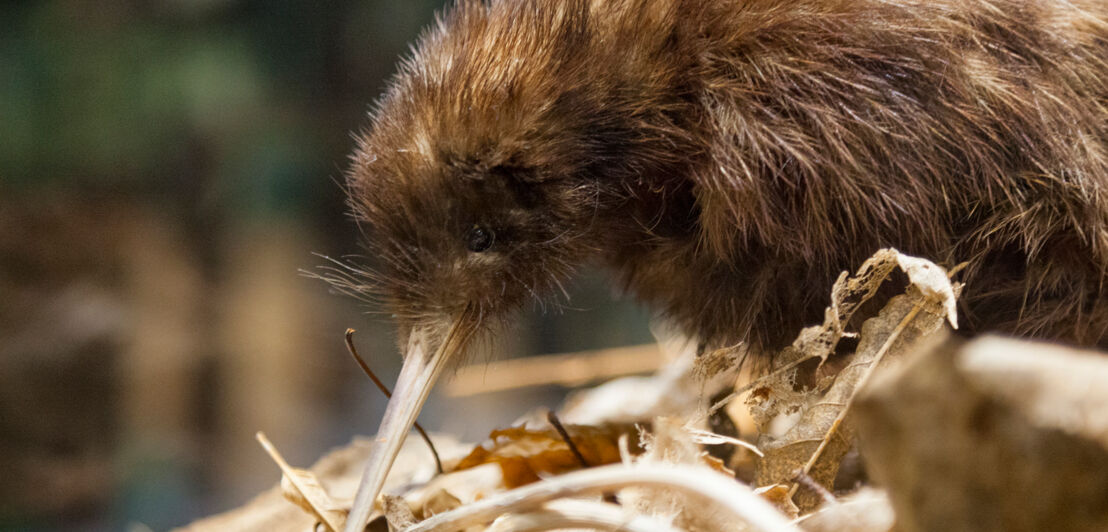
(728,158)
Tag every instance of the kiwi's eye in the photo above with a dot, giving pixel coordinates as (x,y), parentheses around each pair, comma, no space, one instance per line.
(479,239)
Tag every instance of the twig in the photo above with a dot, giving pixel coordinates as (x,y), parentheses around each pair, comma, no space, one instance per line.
(721,491)
(557,424)
(388,394)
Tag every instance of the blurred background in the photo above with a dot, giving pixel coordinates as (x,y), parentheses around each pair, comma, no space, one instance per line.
(166,170)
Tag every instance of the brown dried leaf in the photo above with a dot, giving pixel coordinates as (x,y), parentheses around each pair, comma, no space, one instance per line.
(820,438)
(774,395)
(397,512)
(339,471)
(439,502)
(452,490)
(779,496)
(526,455)
(847,295)
(302,488)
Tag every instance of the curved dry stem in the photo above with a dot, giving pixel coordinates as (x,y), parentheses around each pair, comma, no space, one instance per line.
(388,395)
(723,492)
(705,437)
(579,514)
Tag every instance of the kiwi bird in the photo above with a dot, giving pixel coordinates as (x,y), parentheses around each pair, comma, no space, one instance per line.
(726,159)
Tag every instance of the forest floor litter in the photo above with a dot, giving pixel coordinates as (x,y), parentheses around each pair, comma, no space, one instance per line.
(881,418)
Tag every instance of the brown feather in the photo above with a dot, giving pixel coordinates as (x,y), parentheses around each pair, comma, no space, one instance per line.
(728,158)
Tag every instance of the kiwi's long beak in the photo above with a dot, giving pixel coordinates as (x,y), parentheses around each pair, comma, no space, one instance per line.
(428,353)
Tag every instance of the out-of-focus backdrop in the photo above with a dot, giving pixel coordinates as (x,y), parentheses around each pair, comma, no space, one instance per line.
(166,169)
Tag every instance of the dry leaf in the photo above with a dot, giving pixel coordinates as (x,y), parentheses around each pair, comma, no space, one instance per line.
(302,488)
(440,501)
(847,295)
(816,443)
(1003,435)
(339,471)
(397,512)
(1054,386)
(866,510)
(711,497)
(932,282)
(774,395)
(776,398)
(670,443)
(779,495)
(526,455)
(452,490)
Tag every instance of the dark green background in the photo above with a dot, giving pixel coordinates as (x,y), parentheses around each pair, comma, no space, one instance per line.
(217,130)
